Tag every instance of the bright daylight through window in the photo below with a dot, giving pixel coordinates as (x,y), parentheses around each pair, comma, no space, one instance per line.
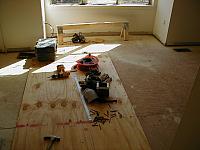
(103,2)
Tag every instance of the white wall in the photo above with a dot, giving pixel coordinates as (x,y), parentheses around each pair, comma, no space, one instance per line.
(21,22)
(141,19)
(162,19)
(185,23)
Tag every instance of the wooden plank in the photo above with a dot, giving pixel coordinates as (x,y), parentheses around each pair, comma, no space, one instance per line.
(125,31)
(60,35)
(54,108)
(90,24)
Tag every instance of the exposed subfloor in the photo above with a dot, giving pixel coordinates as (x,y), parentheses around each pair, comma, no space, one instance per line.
(157,79)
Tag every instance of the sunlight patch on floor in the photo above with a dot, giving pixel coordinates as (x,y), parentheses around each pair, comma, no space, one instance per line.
(97,48)
(70,60)
(14,69)
(67,61)
(64,50)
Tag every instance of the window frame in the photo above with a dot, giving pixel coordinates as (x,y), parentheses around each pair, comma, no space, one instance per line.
(151,2)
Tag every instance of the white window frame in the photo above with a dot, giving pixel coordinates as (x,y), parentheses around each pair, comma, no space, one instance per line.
(79,4)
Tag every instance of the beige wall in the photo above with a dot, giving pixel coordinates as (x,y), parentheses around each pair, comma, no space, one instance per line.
(185,23)
(141,19)
(1,41)
(1,38)
(21,22)
(162,19)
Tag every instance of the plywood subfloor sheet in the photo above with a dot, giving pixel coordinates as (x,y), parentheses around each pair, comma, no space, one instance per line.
(53,107)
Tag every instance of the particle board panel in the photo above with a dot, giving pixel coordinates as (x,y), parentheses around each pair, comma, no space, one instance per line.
(53,107)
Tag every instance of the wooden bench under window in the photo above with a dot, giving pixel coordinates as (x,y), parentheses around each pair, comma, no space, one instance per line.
(61,28)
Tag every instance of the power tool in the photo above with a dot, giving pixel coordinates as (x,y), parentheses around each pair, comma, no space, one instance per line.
(61,73)
(95,87)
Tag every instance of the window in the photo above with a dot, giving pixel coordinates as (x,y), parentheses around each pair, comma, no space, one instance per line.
(102,2)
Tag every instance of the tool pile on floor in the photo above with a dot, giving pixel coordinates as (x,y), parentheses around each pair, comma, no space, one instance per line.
(85,64)
(78,38)
(106,117)
(95,87)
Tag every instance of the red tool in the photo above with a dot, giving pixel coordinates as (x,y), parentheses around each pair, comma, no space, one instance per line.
(88,63)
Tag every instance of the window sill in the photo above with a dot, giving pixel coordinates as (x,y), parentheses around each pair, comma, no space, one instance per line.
(101,5)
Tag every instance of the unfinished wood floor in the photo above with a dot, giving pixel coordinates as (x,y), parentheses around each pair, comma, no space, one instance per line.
(157,80)
(53,107)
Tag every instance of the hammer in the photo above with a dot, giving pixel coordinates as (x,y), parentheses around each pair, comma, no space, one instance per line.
(53,139)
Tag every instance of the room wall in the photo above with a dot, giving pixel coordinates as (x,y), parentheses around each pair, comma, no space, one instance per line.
(21,22)
(162,19)
(141,19)
(185,23)
(1,38)
(1,41)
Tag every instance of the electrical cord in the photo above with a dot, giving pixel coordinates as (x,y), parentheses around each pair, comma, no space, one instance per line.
(51,27)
